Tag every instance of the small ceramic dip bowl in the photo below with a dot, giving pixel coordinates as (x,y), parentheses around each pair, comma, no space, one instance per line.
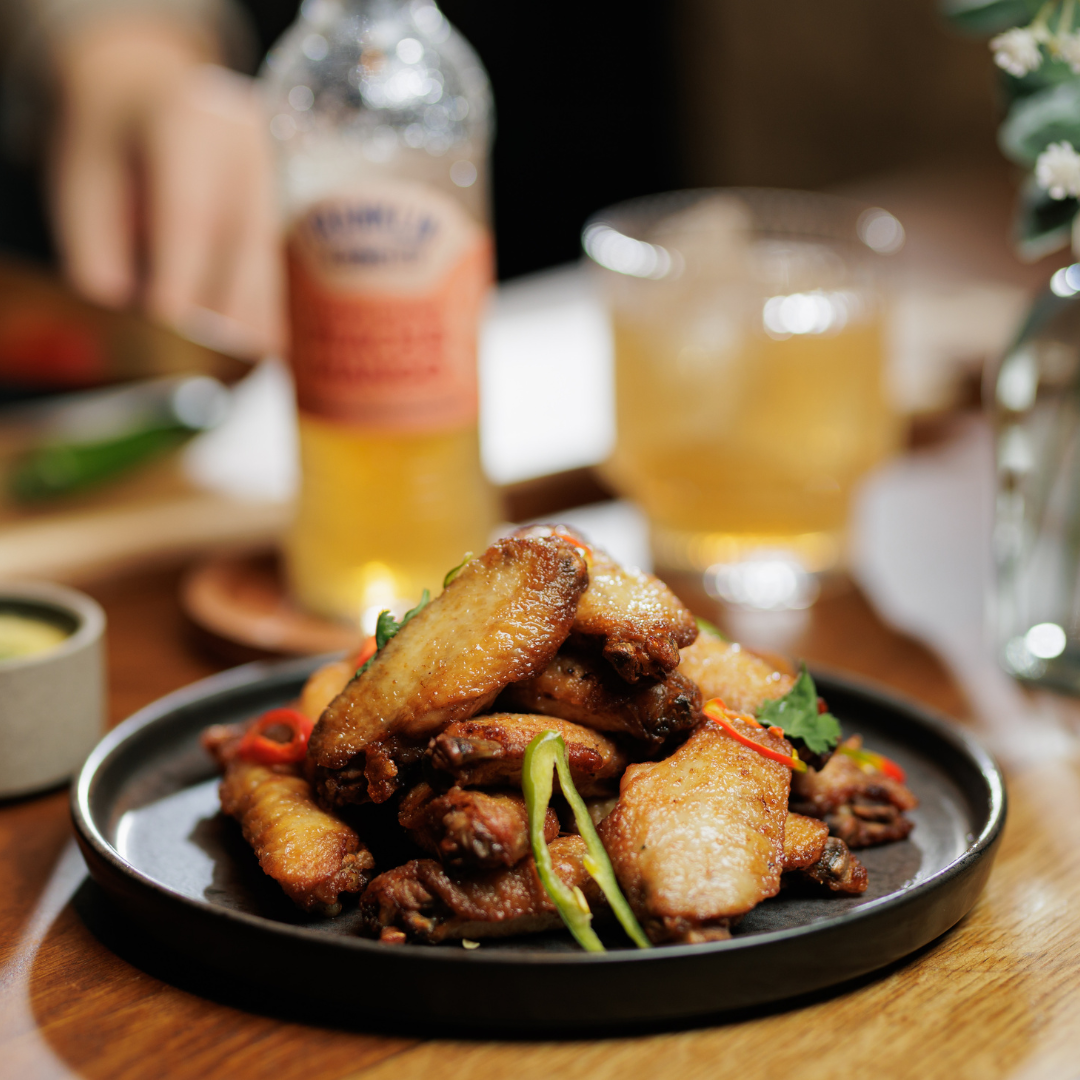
(52,684)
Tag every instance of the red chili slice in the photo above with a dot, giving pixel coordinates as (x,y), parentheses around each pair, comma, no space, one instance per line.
(713,711)
(367,651)
(573,541)
(875,761)
(257,745)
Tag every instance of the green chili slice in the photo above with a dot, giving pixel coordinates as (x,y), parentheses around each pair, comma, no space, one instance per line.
(545,753)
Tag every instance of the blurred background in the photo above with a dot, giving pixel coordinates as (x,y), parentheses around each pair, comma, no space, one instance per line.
(629,98)
(888,104)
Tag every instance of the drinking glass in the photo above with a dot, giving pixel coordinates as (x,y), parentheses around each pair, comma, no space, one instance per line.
(1033,397)
(749,346)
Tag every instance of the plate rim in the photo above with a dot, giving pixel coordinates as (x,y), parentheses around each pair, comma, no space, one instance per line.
(249,676)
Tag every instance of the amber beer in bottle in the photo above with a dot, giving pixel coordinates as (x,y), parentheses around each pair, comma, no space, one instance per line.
(381,114)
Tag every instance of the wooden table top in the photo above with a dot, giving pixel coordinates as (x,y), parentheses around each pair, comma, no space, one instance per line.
(998,996)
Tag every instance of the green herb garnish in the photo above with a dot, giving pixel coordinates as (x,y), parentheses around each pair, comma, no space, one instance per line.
(546,752)
(386,626)
(451,574)
(707,627)
(797,713)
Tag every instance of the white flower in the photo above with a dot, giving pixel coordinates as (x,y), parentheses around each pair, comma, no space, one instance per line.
(1017,51)
(1067,47)
(1058,170)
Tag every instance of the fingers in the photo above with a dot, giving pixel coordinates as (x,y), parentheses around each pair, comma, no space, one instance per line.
(108,77)
(213,266)
(90,192)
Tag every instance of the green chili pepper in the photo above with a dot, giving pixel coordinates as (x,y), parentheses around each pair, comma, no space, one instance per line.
(546,752)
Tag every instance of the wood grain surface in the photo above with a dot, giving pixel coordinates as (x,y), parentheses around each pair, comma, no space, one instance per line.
(997,997)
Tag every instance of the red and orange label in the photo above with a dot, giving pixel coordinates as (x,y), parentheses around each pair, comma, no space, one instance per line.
(386,289)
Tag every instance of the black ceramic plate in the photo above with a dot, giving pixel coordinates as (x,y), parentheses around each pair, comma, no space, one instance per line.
(146,812)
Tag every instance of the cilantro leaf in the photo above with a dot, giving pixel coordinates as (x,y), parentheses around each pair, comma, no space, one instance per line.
(797,713)
(386,626)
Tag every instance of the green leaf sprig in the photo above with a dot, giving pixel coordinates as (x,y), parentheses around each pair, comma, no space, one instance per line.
(451,574)
(386,626)
(797,713)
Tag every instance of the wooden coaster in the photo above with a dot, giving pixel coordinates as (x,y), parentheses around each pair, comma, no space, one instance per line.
(241,599)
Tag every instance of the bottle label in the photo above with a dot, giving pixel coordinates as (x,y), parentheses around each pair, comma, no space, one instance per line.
(386,289)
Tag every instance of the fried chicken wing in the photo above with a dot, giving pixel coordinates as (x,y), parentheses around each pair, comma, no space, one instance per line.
(310,853)
(467,827)
(500,620)
(838,869)
(323,685)
(585,690)
(813,855)
(423,901)
(698,838)
(635,619)
(725,670)
(861,805)
(804,841)
(489,751)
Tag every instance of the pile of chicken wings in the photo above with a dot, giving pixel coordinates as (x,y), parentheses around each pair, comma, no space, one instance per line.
(411,791)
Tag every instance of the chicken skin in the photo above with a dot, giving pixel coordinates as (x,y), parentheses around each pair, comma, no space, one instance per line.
(812,855)
(632,617)
(481,829)
(500,620)
(585,690)
(698,838)
(422,901)
(861,805)
(310,853)
(739,678)
(490,750)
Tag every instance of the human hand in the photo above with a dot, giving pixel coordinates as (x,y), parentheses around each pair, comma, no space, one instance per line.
(161,185)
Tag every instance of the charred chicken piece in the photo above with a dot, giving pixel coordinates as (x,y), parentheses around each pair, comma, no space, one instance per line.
(470,828)
(585,690)
(488,751)
(634,618)
(861,805)
(423,901)
(813,855)
(500,620)
(310,853)
(697,839)
(838,869)
(725,670)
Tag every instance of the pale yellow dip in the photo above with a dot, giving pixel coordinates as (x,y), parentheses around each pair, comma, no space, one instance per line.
(23,635)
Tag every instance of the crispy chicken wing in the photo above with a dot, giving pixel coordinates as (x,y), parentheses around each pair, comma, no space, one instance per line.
(636,620)
(804,841)
(698,838)
(861,805)
(323,685)
(489,750)
(500,620)
(838,869)
(585,690)
(311,854)
(423,901)
(815,856)
(725,670)
(482,829)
